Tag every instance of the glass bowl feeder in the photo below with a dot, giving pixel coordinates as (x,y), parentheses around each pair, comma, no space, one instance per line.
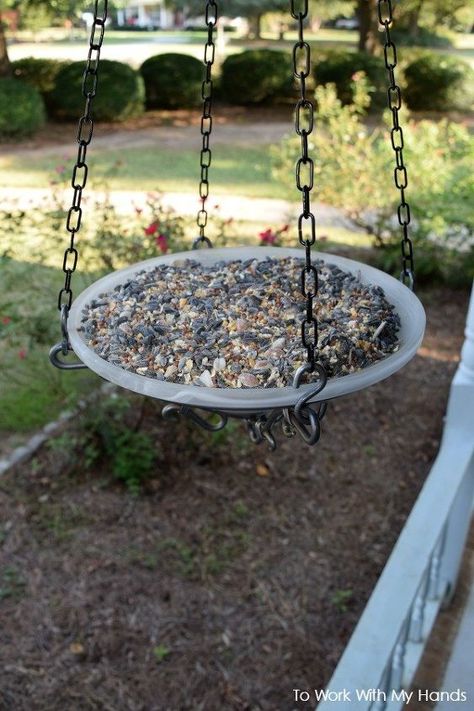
(299,407)
(245,402)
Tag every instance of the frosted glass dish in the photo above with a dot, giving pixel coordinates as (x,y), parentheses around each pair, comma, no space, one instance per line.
(239,401)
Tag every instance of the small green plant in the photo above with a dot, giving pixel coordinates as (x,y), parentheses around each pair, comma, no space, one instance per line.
(12,583)
(241,509)
(109,430)
(341,599)
(161,652)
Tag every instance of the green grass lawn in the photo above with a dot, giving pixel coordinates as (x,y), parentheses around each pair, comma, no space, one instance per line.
(32,392)
(235,170)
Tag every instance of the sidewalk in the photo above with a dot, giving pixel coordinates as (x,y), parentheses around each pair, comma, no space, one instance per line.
(264,210)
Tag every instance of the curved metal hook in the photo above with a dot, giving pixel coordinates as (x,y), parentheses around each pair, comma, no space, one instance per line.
(199,241)
(309,430)
(254,431)
(303,401)
(173,411)
(61,364)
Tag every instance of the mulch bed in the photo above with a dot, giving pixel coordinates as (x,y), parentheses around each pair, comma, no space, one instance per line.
(236,576)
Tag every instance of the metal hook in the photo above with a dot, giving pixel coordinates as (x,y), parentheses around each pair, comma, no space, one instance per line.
(61,364)
(309,431)
(202,240)
(303,401)
(63,347)
(173,411)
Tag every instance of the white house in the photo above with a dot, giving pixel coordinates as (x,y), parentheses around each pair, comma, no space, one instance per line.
(146,14)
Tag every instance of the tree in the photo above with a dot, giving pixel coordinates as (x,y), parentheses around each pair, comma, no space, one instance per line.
(368,26)
(66,9)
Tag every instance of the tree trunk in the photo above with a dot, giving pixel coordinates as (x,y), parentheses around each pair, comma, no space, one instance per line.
(5,66)
(368,26)
(414,20)
(255,25)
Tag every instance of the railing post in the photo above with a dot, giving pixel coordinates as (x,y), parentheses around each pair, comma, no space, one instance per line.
(460,415)
(465,373)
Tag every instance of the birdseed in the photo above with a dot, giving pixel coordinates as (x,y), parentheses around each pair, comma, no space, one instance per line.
(237,324)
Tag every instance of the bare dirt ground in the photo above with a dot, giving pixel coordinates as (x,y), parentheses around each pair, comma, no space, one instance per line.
(236,576)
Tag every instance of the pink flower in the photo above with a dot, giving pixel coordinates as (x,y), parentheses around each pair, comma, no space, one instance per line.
(6,320)
(162,243)
(268,237)
(151,229)
(22,353)
(60,169)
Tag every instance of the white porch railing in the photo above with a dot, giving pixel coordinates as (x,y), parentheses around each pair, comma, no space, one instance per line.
(382,656)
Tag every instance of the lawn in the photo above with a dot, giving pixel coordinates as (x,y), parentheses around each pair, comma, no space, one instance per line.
(235,170)
(32,392)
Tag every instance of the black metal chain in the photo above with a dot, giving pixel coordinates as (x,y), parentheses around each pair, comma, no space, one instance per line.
(206,122)
(304,125)
(80,170)
(385,14)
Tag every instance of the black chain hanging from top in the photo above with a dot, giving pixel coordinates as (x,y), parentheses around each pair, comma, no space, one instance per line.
(385,14)
(304,125)
(206,122)
(79,175)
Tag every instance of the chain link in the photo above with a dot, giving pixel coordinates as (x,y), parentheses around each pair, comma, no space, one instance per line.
(385,16)
(84,136)
(304,126)
(206,123)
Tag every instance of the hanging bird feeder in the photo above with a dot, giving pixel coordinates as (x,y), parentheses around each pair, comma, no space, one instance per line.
(267,335)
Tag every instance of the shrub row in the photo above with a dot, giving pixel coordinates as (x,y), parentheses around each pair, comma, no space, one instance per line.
(22,109)
(432,82)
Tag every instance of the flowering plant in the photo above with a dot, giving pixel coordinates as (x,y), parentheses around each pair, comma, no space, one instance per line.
(273,237)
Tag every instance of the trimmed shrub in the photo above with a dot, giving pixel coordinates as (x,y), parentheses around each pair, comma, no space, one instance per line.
(437,82)
(40,73)
(21,109)
(424,38)
(120,92)
(338,67)
(257,75)
(172,81)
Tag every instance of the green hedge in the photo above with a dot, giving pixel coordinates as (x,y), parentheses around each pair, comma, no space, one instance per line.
(172,81)
(120,92)
(338,67)
(40,73)
(21,109)
(437,82)
(257,75)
